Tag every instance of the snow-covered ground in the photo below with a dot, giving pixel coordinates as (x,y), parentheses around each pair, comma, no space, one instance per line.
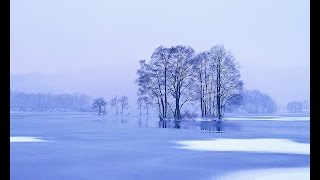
(25,139)
(249,145)
(271,118)
(88,146)
(269,174)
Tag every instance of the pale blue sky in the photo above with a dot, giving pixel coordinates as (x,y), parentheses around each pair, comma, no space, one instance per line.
(95,45)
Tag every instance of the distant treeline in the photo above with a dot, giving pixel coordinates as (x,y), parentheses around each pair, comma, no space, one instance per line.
(298,106)
(20,101)
(253,102)
(257,102)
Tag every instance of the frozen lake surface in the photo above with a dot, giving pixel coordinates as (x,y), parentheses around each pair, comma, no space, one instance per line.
(87,146)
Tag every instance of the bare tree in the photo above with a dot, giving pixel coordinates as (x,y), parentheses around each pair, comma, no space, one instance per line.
(180,77)
(147,103)
(98,103)
(160,61)
(144,102)
(140,103)
(149,82)
(115,103)
(204,86)
(306,105)
(227,81)
(123,103)
(295,106)
(168,73)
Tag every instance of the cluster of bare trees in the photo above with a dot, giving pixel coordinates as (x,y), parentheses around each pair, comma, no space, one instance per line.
(115,102)
(144,102)
(298,106)
(177,75)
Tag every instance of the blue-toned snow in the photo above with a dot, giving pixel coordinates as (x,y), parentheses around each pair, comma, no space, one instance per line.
(25,139)
(88,146)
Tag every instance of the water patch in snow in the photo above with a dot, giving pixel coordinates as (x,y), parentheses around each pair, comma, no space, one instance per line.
(267,174)
(267,145)
(25,139)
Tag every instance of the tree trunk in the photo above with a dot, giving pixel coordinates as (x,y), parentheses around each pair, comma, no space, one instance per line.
(159,109)
(162,105)
(218,91)
(165,92)
(178,115)
(201,95)
(177,109)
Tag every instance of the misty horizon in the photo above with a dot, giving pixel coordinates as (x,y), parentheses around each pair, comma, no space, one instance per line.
(92,53)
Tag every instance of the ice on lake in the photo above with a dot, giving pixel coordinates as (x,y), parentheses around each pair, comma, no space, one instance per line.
(88,146)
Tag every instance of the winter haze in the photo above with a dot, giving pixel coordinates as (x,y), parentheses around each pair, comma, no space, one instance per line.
(93,47)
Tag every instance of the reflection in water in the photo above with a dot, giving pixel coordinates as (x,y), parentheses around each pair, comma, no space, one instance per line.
(163,124)
(100,121)
(177,124)
(123,120)
(170,124)
(146,125)
(140,122)
(212,127)
(206,127)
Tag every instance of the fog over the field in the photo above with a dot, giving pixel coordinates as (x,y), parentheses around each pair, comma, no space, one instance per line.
(93,47)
